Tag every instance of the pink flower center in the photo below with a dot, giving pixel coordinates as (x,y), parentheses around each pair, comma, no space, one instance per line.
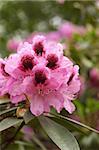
(52,61)
(27,62)
(40,77)
(3,70)
(38,48)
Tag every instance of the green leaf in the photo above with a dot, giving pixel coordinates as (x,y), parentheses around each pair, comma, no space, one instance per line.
(28,117)
(3,101)
(24,143)
(8,110)
(69,125)
(75,122)
(38,142)
(59,135)
(9,122)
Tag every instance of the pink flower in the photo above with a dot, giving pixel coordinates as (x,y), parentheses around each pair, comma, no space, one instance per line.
(16,91)
(53,54)
(94,77)
(50,90)
(41,91)
(13,44)
(23,61)
(46,90)
(70,89)
(8,85)
(4,78)
(67,30)
(38,45)
(40,73)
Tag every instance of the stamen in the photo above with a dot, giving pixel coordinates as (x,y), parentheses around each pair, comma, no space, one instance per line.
(40,91)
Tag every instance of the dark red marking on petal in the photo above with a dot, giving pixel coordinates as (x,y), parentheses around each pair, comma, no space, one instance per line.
(52,61)
(27,63)
(40,77)
(4,73)
(70,79)
(39,49)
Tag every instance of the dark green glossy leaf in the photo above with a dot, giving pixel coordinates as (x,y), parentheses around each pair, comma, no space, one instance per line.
(9,122)
(3,101)
(60,135)
(76,122)
(28,117)
(69,125)
(8,110)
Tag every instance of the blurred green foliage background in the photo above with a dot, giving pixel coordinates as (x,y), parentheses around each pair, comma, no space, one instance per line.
(21,18)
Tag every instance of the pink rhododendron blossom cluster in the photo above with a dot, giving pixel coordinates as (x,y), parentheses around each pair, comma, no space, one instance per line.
(68,29)
(40,73)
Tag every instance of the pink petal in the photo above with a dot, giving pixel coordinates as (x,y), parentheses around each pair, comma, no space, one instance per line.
(55,100)
(37,105)
(69,106)
(18,98)
(12,63)
(16,88)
